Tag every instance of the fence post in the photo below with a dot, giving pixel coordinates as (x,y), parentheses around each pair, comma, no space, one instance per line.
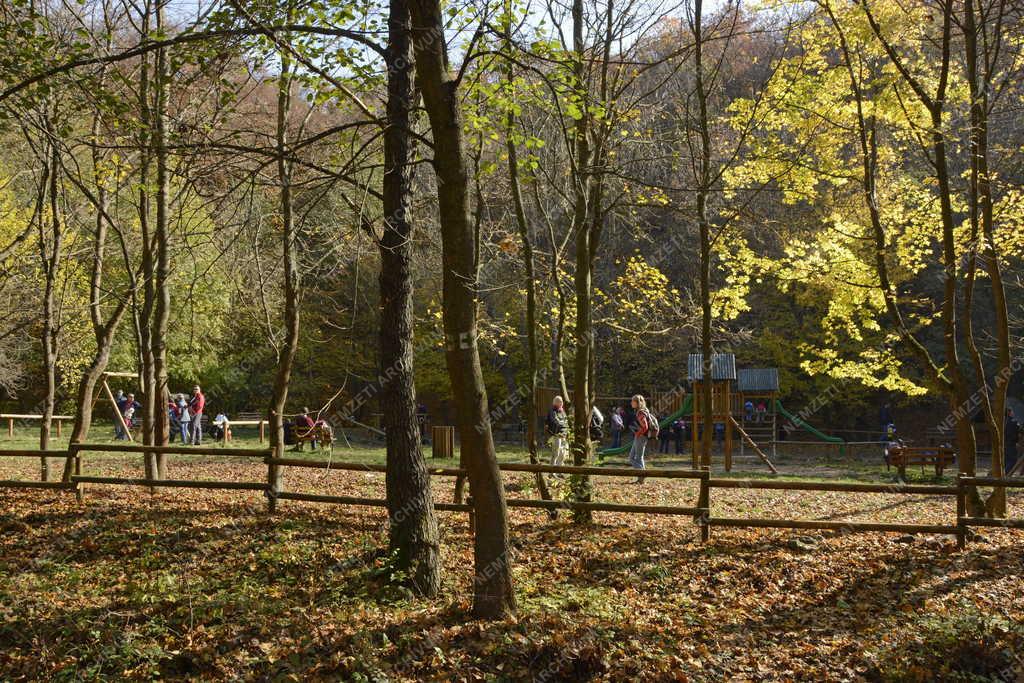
(961,513)
(704,502)
(472,514)
(75,452)
(10,427)
(262,432)
(273,481)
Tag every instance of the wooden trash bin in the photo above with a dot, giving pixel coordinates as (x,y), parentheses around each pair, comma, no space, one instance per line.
(442,440)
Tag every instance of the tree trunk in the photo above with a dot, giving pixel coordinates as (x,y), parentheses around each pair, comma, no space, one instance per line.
(147,371)
(50,259)
(581,485)
(704,226)
(981,211)
(493,594)
(161,425)
(286,356)
(413,525)
(103,331)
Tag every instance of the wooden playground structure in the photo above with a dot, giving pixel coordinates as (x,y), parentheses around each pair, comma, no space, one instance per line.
(730,390)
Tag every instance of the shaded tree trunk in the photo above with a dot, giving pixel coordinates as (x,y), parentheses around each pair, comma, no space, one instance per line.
(413,532)
(581,486)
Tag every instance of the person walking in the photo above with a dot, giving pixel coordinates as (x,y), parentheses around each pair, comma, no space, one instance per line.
(557,426)
(642,431)
(617,427)
(195,408)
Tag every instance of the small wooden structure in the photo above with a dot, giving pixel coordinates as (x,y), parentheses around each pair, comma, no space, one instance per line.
(902,456)
(723,376)
(442,441)
(758,385)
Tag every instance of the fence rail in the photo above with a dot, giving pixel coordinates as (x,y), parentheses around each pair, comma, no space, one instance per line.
(700,512)
(58,420)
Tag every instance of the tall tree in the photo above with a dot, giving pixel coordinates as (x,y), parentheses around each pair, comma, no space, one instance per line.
(493,595)
(291,284)
(414,534)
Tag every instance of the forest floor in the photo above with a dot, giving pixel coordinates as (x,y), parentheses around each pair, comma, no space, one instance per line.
(198,584)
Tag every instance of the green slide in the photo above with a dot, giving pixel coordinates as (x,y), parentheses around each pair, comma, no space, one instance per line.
(800,423)
(664,423)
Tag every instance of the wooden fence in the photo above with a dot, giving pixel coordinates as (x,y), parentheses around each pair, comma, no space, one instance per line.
(701,512)
(58,421)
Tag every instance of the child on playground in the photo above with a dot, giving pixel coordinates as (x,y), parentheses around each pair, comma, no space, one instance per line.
(557,426)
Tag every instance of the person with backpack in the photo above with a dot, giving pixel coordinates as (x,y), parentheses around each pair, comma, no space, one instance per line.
(557,427)
(646,428)
(618,426)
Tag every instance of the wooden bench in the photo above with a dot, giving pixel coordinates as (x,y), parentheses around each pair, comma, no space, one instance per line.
(902,456)
(322,434)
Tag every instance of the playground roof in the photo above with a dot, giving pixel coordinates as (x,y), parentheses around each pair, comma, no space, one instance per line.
(758,379)
(723,367)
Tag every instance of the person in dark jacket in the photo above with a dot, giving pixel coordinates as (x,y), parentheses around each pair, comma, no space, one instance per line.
(1011,434)
(557,428)
(679,434)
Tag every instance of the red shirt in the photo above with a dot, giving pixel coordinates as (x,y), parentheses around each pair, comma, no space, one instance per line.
(197,404)
(306,421)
